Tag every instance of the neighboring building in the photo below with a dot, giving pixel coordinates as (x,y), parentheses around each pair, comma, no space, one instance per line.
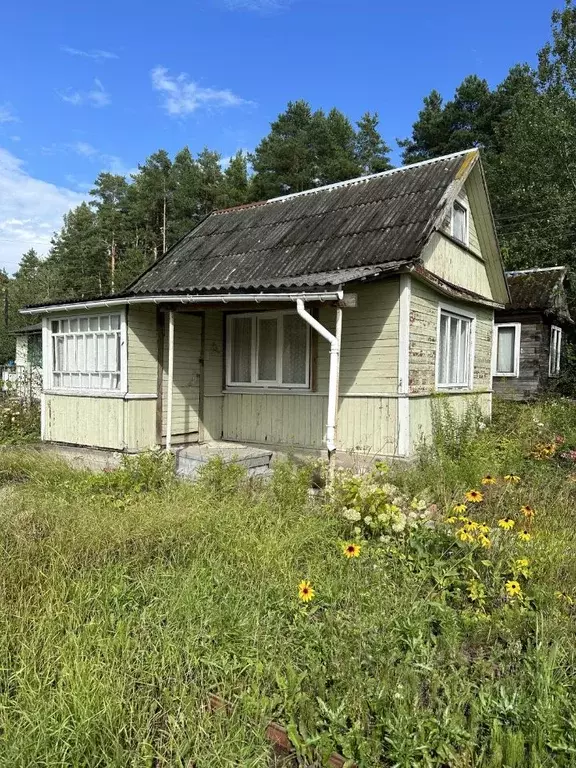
(23,377)
(529,331)
(28,346)
(330,317)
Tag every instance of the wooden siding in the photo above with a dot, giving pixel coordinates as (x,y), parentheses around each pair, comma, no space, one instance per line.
(213,374)
(423,333)
(421,412)
(365,424)
(532,379)
(95,421)
(445,258)
(185,395)
(369,360)
(139,425)
(142,337)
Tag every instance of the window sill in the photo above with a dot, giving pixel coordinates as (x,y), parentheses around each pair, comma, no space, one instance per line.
(85,393)
(453,388)
(505,375)
(266,391)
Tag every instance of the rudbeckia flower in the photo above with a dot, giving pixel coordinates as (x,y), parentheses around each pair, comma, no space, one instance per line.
(513,589)
(474,496)
(488,480)
(351,550)
(459,509)
(305,591)
(514,479)
(484,541)
(524,535)
(527,511)
(506,523)
(463,535)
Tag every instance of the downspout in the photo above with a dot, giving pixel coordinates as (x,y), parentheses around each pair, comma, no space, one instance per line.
(170,383)
(334,376)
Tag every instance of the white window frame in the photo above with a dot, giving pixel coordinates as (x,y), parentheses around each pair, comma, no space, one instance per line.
(555,351)
(48,354)
(461,204)
(463,314)
(517,333)
(254,383)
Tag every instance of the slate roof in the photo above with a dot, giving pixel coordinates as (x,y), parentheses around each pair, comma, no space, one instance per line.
(322,237)
(540,290)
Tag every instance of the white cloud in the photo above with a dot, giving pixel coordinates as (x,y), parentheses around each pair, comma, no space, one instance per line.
(7,114)
(97,96)
(84,149)
(97,54)
(182,96)
(30,210)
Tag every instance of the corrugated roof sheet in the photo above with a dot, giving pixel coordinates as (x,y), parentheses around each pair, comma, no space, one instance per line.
(539,289)
(318,237)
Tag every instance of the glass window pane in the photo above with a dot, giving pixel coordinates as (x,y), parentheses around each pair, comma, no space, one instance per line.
(55,326)
(93,323)
(505,350)
(59,353)
(465,327)
(111,352)
(70,353)
(267,348)
(83,323)
(115,322)
(101,352)
(104,323)
(454,348)
(459,222)
(294,357)
(74,325)
(241,349)
(64,326)
(443,353)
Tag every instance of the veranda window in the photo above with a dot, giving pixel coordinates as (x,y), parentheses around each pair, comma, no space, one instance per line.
(86,352)
(454,362)
(268,349)
(506,349)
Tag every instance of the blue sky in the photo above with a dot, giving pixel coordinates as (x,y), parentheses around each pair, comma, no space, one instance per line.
(102,85)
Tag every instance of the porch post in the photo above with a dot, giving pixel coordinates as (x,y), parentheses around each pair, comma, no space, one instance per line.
(170,383)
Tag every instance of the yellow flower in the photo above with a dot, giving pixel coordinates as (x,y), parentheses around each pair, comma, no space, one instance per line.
(565,597)
(459,509)
(524,535)
(471,526)
(483,528)
(514,479)
(474,496)
(513,589)
(484,541)
(522,562)
(306,591)
(488,480)
(527,511)
(463,535)
(351,550)
(463,519)
(507,523)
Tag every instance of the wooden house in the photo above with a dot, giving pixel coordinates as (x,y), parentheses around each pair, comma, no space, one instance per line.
(326,319)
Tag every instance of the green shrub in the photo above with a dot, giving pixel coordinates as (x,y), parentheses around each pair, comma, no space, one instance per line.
(19,422)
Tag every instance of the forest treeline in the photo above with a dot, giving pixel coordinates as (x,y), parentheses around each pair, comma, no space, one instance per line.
(525,127)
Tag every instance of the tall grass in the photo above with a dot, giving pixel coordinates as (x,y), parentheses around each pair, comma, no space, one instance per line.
(126,598)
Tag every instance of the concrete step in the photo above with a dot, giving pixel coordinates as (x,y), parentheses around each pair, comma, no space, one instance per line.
(191,458)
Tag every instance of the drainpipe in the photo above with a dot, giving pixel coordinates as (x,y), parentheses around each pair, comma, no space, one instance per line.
(170,383)
(334,377)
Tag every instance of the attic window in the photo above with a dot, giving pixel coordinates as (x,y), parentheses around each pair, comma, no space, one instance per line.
(460,222)
(506,354)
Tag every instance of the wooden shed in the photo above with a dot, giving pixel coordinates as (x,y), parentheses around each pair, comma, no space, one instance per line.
(529,333)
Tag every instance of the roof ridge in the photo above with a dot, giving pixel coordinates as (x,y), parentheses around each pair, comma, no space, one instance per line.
(348,182)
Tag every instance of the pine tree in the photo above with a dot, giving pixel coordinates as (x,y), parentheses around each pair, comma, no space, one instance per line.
(372,152)
(236,184)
